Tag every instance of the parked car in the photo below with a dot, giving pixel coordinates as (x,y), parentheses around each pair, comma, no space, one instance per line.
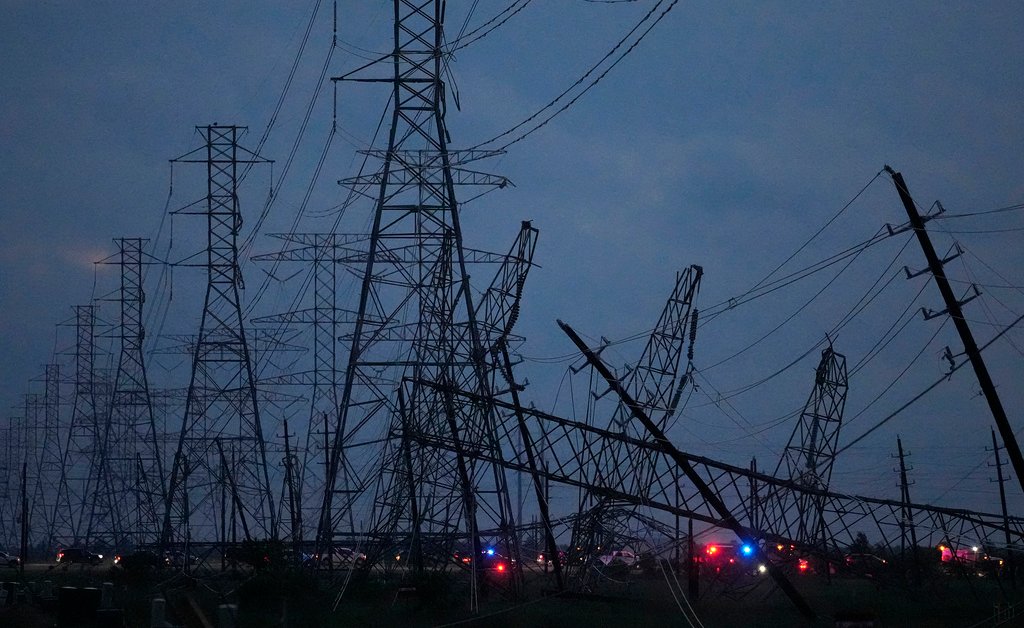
(543,559)
(141,559)
(9,560)
(78,555)
(618,557)
(339,557)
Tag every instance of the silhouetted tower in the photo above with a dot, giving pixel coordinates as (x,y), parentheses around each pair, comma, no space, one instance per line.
(49,520)
(811,450)
(11,454)
(221,434)
(324,251)
(416,319)
(129,482)
(422,498)
(83,450)
(656,382)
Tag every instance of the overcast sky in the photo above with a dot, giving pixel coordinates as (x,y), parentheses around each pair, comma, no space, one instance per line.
(727,138)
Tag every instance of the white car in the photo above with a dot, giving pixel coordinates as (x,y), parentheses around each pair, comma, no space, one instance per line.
(339,557)
(618,557)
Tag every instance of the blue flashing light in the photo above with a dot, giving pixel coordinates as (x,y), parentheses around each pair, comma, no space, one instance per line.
(747,549)
(490,551)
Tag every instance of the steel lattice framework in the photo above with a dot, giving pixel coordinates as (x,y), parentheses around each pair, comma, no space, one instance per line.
(416,318)
(83,452)
(129,481)
(656,382)
(759,507)
(219,480)
(808,457)
(48,489)
(324,252)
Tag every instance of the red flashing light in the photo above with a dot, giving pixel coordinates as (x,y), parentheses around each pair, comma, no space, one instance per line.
(803,565)
(501,567)
(712,549)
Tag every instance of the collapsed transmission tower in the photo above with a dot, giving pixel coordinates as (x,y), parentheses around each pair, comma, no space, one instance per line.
(416,320)
(219,473)
(811,451)
(656,383)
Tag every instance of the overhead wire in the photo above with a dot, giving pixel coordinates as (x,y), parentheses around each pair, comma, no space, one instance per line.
(284,91)
(927,390)
(579,81)
(987,212)
(789,318)
(468,39)
(820,230)
(713,311)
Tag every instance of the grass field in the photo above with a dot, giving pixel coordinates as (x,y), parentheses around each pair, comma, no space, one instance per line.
(304,600)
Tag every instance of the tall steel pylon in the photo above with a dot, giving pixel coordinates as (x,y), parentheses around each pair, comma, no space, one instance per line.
(416,317)
(811,451)
(221,455)
(43,424)
(422,493)
(13,451)
(324,251)
(129,480)
(82,454)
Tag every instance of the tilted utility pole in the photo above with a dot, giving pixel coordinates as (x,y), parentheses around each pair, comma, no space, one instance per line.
(712,498)
(935,265)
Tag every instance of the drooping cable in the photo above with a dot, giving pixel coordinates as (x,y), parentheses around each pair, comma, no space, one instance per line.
(647,17)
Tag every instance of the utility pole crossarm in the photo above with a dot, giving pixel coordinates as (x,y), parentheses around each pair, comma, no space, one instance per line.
(953,306)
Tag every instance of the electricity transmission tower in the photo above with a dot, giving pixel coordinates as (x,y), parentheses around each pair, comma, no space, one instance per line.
(83,453)
(324,251)
(811,451)
(656,382)
(416,321)
(219,473)
(129,479)
(45,461)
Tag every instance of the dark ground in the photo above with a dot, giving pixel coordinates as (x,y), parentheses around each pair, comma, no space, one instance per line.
(304,600)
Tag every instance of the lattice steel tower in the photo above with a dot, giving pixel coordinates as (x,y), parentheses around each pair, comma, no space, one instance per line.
(416,322)
(219,483)
(811,450)
(42,415)
(129,481)
(324,251)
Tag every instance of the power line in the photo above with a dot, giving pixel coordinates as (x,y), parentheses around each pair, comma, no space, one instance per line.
(583,78)
(927,390)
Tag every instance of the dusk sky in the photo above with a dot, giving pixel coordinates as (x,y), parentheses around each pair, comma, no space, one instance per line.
(728,137)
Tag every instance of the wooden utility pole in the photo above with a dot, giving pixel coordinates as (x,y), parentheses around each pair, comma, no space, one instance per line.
(1002,502)
(988,388)
(907,520)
